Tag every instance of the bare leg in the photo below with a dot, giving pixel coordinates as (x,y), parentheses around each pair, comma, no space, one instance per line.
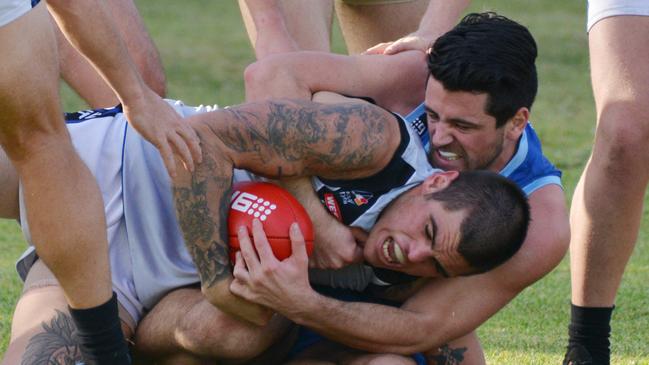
(183,325)
(607,204)
(364,26)
(465,350)
(66,213)
(83,78)
(307,21)
(42,331)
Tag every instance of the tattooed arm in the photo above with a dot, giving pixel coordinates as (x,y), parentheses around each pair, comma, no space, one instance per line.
(276,139)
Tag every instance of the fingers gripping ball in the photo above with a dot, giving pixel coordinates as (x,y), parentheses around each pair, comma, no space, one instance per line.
(276,208)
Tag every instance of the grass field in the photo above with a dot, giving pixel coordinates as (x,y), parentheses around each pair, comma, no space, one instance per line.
(204,49)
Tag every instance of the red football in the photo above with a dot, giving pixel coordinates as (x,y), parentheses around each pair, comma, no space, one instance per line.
(276,208)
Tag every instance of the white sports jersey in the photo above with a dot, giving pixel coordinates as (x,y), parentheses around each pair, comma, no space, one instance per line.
(600,9)
(147,253)
(13,9)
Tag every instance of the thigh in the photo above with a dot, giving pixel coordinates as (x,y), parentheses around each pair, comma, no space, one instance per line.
(184,323)
(29,84)
(619,48)
(42,330)
(308,22)
(367,23)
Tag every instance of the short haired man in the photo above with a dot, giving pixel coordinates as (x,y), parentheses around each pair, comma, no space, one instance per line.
(461,129)
(470,126)
(147,251)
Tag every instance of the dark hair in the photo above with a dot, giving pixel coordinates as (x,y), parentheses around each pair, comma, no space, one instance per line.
(497,220)
(488,53)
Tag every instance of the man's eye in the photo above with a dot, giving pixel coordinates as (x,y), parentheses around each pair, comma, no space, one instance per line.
(432,118)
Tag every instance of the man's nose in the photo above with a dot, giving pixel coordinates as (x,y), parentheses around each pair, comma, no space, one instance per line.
(419,252)
(440,135)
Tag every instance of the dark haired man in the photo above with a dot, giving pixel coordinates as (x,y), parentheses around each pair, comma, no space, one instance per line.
(147,250)
(462,131)
(478,97)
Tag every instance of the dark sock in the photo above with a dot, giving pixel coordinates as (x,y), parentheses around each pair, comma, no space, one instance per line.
(100,336)
(589,330)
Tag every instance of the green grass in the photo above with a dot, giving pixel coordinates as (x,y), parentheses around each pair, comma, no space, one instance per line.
(205,50)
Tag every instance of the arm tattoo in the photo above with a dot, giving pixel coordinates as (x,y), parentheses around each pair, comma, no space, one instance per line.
(201,209)
(57,345)
(274,139)
(322,139)
(448,356)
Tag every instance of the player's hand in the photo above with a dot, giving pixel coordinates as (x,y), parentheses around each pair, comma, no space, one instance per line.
(335,246)
(159,124)
(413,41)
(261,278)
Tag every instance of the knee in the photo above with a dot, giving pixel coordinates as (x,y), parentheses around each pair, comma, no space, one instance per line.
(221,338)
(272,78)
(255,76)
(38,134)
(621,140)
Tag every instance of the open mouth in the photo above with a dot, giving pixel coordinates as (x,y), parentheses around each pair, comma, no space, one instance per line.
(448,156)
(392,252)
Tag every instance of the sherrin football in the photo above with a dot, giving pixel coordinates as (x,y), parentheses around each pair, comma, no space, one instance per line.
(276,208)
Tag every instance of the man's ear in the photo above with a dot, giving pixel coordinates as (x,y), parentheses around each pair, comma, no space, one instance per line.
(439,181)
(516,125)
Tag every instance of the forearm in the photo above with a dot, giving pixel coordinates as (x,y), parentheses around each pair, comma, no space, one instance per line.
(302,189)
(301,74)
(89,27)
(201,200)
(364,326)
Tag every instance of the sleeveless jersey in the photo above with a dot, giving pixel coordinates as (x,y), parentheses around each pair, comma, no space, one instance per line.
(147,253)
(359,202)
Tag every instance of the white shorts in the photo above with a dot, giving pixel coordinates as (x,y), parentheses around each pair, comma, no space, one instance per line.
(600,9)
(99,143)
(11,10)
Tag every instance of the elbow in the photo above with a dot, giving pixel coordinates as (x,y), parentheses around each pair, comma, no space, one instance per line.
(274,78)
(212,297)
(257,76)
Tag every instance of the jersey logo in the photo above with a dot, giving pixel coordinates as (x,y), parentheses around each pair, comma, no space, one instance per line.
(418,121)
(83,115)
(356,197)
(252,205)
(332,205)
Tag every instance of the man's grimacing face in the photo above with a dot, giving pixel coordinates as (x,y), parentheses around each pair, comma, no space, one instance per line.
(417,235)
(462,135)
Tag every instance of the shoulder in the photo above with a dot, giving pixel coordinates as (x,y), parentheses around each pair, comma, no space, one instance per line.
(529,167)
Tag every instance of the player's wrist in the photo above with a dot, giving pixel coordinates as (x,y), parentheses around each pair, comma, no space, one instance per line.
(306,308)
